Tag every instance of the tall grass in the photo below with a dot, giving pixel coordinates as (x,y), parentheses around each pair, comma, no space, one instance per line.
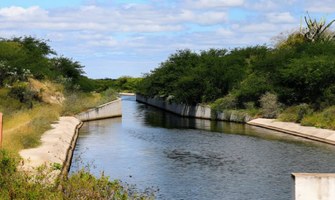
(304,115)
(322,119)
(79,102)
(24,128)
(16,184)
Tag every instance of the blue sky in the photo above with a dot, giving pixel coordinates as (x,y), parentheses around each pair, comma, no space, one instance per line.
(112,38)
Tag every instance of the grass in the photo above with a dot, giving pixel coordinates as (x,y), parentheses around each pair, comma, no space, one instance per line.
(16,184)
(23,129)
(23,126)
(322,119)
(304,115)
(79,102)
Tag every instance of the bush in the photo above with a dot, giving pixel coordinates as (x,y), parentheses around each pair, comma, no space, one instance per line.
(252,88)
(225,103)
(296,113)
(23,93)
(323,119)
(269,105)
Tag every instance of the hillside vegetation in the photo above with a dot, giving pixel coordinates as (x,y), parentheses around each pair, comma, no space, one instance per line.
(296,77)
(36,87)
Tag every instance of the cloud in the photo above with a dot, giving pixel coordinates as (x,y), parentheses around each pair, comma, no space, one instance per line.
(283,17)
(15,13)
(324,6)
(144,34)
(213,3)
(263,5)
(199,17)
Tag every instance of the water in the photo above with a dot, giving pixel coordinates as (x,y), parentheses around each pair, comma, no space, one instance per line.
(197,159)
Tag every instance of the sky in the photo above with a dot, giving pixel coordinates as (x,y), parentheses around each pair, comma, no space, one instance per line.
(114,38)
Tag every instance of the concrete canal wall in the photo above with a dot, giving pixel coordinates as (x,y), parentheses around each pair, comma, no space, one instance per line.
(59,142)
(108,110)
(313,186)
(198,111)
(313,133)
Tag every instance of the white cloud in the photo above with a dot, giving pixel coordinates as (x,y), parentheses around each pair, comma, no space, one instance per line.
(263,5)
(203,18)
(283,17)
(325,6)
(19,13)
(256,27)
(224,32)
(148,32)
(213,3)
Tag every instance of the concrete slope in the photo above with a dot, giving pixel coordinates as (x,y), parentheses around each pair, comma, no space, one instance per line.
(318,134)
(55,147)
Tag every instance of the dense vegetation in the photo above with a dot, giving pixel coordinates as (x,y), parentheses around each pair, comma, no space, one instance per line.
(298,71)
(122,84)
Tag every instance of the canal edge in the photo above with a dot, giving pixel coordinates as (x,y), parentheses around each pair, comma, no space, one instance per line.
(108,110)
(70,150)
(312,133)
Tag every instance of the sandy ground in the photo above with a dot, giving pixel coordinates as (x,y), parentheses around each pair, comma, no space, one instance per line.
(318,134)
(55,145)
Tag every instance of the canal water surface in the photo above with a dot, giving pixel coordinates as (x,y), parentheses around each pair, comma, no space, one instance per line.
(184,158)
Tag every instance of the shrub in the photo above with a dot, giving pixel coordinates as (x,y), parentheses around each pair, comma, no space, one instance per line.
(225,103)
(269,105)
(323,119)
(296,113)
(23,93)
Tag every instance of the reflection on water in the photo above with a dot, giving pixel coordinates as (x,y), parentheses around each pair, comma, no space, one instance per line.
(198,159)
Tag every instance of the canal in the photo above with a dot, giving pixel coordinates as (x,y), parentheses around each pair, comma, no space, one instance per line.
(183,158)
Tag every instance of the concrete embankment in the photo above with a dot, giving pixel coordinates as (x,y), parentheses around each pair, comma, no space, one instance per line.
(55,147)
(59,142)
(314,186)
(126,94)
(198,111)
(108,110)
(318,134)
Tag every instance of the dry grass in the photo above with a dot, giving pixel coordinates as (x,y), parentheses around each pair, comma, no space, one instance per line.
(24,128)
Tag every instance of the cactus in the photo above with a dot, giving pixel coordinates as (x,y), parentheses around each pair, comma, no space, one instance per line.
(317,31)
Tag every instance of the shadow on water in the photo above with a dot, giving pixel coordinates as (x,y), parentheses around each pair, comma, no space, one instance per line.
(156,117)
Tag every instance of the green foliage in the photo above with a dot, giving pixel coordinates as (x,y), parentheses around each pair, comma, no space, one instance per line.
(252,88)
(228,102)
(24,57)
(321,119)
(122,84)
(269,105)
(67,68)
(9,75)
(307,78)
(200,77)
(16,184)
(300,69)
(296,113)
(23,93)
